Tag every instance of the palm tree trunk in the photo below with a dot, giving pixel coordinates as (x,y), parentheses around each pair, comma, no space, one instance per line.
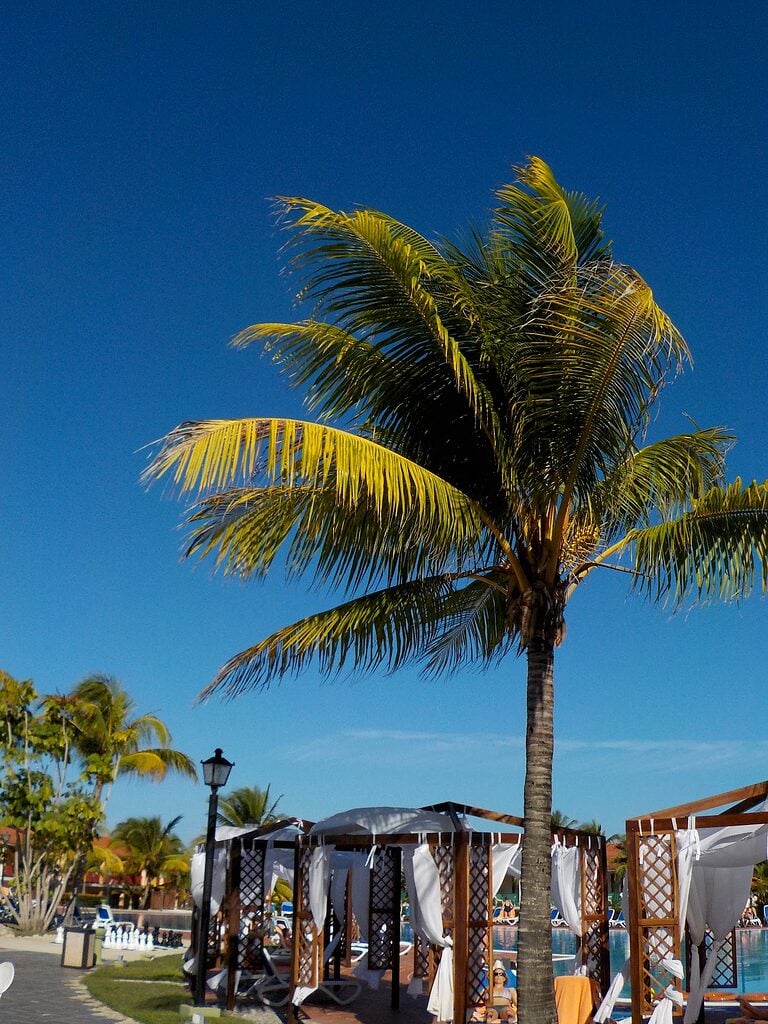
(535,985)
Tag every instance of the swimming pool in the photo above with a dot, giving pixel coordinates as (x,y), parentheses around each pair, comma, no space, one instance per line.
(751,954)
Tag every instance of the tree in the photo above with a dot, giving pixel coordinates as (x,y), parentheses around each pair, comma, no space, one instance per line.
(248,805)
(559,820)
(43,797)
(479,449)
(593,827)
(113,740)
(150,849)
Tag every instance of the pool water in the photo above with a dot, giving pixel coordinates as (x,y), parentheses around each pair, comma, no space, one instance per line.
(751,954)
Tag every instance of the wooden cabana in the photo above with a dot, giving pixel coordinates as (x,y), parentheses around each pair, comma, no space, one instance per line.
(664,849)
(237,929)
(463,857)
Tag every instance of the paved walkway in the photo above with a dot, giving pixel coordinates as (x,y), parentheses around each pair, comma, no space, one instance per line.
(44,991)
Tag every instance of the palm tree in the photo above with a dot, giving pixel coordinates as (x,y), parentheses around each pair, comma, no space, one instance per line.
(115,741)
(594,828)
(559,820)
(248,805)
(150,849)
(618,865)
(479,450)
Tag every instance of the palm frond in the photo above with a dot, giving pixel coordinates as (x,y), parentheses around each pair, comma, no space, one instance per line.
(545,228)
(474,628)
(660,477)
(386,628)
(216,453)
(248,527)
(155,764)
(715,551)
(597,352)
(370,276)
(403,397)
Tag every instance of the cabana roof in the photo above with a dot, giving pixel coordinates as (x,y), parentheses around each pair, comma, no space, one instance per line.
(738,804)
(447,816)
(284,830)
(383,821)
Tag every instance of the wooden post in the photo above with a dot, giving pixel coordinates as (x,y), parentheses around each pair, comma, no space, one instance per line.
(396,854)
(460,926)
(233,922)
(635,937)
(291,1015)
(348,920)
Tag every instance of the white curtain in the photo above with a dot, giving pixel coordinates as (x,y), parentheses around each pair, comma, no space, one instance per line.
(421,871)
(566,885)
(218,882)
(319,879)
(505,859)
(278,864)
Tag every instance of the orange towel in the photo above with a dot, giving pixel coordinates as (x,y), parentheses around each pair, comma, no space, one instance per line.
(573,999)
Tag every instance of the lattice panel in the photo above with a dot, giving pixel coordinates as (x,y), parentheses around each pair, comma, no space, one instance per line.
(478,953)
(656,868)
(658,941)
(446,867)
(726,972)
(307,960)
(251,890)
(383,929)
(595,938)
(421,960)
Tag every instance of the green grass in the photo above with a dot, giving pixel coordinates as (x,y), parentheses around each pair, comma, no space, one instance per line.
(142,989)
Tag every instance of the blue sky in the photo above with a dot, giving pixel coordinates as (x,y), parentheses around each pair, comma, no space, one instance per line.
(141,145)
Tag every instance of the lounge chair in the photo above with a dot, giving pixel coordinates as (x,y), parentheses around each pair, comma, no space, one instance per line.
(104,918)
(618,921)
(7,971)
(274,987)
(555,918)
(359,949)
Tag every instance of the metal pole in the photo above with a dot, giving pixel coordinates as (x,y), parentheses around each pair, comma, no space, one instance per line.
(205,909)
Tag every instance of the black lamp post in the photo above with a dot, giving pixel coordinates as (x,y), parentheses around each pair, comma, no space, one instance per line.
(216,771)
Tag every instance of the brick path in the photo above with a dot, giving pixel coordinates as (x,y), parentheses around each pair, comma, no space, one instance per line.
(44,991)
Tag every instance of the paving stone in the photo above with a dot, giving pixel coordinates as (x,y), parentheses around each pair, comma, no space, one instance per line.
(43,991)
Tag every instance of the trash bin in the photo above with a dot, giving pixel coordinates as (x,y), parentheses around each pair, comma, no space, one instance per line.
(78,950)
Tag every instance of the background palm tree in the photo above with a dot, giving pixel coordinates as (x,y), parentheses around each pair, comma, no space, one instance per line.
(559,820)
(594,828)
(115,741)
(152,850)
(248,805)
(494,399)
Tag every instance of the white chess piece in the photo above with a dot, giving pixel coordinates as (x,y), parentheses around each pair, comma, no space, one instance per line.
(150,941)
(132,939)
(59,934)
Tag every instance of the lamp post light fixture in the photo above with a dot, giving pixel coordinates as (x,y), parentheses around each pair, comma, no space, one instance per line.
(216,771)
